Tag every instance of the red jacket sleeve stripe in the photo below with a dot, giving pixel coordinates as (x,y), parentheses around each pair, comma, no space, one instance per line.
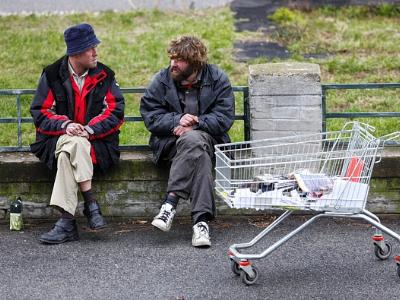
(46,108)
(60,132)
(111,104)
(99,136)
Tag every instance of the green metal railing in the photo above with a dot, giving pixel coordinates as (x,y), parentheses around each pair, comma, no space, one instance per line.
(244,90)
(19,120)
(359,86)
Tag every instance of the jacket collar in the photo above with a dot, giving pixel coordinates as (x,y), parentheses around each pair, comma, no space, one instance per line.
(98,73)
(171,95)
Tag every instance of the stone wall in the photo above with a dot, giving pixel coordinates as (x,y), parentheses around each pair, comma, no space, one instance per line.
(136,186)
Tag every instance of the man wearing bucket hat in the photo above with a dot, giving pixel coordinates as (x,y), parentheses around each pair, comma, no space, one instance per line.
(77,110)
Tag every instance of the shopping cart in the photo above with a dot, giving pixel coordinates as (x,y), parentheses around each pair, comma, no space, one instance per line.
(327,173)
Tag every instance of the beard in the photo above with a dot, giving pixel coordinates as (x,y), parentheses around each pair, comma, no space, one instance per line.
(180,75)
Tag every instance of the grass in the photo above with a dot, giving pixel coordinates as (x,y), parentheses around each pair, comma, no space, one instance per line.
(133,45)
(359,44)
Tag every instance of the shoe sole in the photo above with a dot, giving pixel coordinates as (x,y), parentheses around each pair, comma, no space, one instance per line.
(72,239)
(98,228)
(201,244)
(155,224)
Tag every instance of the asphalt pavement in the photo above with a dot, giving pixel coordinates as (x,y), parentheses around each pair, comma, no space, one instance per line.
(332,259)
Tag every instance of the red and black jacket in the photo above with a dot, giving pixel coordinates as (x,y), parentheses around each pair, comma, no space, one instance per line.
(99,107)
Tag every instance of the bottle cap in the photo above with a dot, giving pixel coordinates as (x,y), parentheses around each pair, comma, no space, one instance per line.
(16,206)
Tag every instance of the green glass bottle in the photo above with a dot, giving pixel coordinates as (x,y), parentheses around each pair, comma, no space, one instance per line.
(16,214)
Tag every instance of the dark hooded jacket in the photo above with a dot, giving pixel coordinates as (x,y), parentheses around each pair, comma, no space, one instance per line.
(161,109)
(53,108)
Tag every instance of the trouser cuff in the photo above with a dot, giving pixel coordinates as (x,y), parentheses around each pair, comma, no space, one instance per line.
(202,217)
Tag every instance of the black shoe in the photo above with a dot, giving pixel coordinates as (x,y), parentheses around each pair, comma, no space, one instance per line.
(92,212)
(64,230)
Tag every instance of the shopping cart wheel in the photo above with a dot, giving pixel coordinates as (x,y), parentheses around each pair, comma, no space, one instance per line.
(235,267)
(383,254)
(246,279)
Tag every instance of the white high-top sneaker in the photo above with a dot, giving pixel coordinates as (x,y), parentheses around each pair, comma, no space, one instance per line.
(201,235)
(163,220)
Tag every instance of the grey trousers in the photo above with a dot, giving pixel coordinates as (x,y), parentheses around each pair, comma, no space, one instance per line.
(190,175)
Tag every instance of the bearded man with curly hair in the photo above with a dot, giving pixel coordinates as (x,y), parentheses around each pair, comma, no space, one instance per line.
(188,108)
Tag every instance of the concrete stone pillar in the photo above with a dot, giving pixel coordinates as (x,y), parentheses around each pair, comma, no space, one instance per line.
(285,99)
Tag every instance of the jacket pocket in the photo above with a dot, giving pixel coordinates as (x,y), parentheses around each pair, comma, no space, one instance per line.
(61,104)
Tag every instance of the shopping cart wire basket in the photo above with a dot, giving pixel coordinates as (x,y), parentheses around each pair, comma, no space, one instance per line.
(327,173)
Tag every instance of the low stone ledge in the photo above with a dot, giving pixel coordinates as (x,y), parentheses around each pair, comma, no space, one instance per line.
(136,186)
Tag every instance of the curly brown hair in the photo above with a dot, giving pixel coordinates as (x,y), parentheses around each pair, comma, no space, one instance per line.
(190,49)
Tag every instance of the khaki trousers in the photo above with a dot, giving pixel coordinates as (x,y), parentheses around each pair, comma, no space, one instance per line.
(74,165)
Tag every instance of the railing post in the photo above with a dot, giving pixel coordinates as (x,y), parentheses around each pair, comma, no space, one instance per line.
(19,127)
(246,114)
(323,109)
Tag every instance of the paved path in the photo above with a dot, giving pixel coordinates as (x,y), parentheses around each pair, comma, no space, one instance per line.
(64,6)
(333,259)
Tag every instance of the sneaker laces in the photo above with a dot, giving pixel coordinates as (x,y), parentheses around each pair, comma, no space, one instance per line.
(203,230)
(165,215)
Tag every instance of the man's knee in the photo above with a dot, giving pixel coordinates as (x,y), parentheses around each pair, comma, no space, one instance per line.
(190,139)
(73,144)
(79,141)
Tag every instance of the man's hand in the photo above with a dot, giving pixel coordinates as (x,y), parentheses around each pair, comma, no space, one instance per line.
(75,129)
(188,120)
(179,130)
(84,134)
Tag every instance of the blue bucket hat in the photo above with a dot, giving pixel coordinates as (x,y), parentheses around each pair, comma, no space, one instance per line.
(80,38)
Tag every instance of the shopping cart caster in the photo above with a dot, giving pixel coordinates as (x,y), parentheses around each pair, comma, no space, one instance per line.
(397,259)
(383,249)
(235,267)
(234,264)
(248,273)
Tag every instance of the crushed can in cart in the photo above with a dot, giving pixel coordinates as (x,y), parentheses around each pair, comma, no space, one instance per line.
(16,222)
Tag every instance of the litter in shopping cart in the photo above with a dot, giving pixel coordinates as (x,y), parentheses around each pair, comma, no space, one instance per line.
(299,189)
(313,183)
(354,169)
(326,173)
